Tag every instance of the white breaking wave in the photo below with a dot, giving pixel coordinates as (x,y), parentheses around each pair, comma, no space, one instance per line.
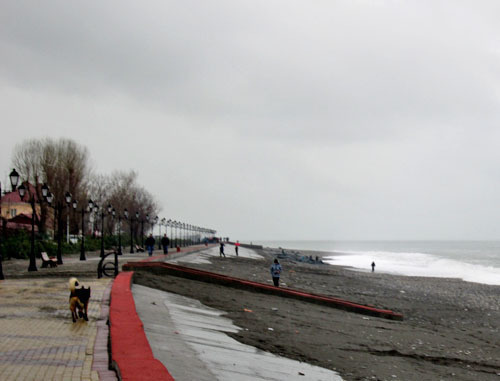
(416,264)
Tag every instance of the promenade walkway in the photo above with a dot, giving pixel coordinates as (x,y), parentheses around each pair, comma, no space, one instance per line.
(38,340)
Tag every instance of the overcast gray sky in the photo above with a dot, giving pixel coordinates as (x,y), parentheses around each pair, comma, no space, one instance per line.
(272,119)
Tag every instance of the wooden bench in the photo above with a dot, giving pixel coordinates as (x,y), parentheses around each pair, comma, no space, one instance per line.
(48,262)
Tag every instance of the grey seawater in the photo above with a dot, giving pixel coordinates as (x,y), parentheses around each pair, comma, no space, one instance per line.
(484,253)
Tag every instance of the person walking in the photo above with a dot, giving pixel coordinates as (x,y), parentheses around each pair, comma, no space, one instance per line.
(276,272)
(373,266)
(150,244)
(236,247)
(165,242)
(221,249)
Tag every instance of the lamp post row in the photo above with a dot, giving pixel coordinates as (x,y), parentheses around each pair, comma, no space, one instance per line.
(48,197)
(14,179)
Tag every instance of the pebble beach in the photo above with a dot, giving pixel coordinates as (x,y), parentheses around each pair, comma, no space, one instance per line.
(450,329)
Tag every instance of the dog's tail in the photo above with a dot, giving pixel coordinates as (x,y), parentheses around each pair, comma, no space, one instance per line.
(73,284)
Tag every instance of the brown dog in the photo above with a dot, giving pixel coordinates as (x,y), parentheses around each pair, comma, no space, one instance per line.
(78,300)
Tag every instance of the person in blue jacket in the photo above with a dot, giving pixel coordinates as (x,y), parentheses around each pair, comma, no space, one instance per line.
(276,272)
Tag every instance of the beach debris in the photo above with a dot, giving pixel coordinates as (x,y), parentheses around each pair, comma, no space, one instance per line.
(301,374)
(365,318)
(403,291)
(270,329)
(247,310)
(274,309)
(153,303)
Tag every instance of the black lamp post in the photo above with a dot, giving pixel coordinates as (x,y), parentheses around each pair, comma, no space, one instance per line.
(179,233)
(155,221)
(174,225)
(125,214)
(184,232)
(74,204)
(22,192)
(82,247)
(137,219)
(102,229)
(59,209)
(163,222)
(142,229)
(14,179)
(67,198)
(170,223)
(119,231)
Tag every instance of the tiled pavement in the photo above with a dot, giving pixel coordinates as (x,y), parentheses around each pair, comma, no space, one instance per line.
(39,341)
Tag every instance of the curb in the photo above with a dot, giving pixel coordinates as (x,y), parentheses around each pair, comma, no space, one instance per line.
(131,354)
(206,276)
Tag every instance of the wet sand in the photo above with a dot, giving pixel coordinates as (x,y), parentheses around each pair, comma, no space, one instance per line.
(450,329)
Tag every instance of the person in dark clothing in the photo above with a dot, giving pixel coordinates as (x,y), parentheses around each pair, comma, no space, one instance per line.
(150,244)
(221,249)
(373,267)
(165,242)
(236,247)
(276,272)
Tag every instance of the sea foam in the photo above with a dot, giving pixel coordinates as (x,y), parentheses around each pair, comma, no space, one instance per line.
(416,264)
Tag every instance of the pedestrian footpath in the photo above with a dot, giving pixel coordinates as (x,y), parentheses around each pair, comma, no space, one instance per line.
(39,341)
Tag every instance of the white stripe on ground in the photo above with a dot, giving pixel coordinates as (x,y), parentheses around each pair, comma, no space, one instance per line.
(205,255)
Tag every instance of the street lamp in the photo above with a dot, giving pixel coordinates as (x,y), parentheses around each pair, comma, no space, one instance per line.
(170,223)
(142,229)
(109,209)
(162,222)
(82,247)
(174,224)
(14,178)
(137,218)
(155,221)
(119,230)
(22,192)
(125,214)
(95,209)
(67,198)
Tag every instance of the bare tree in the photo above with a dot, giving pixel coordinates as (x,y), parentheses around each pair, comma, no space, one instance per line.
(122,191)
(61,164)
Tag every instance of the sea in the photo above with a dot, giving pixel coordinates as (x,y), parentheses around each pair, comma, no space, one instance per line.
(471,261)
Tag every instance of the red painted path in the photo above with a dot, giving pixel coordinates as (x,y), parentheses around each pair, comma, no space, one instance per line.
(131,354)
(206,276)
